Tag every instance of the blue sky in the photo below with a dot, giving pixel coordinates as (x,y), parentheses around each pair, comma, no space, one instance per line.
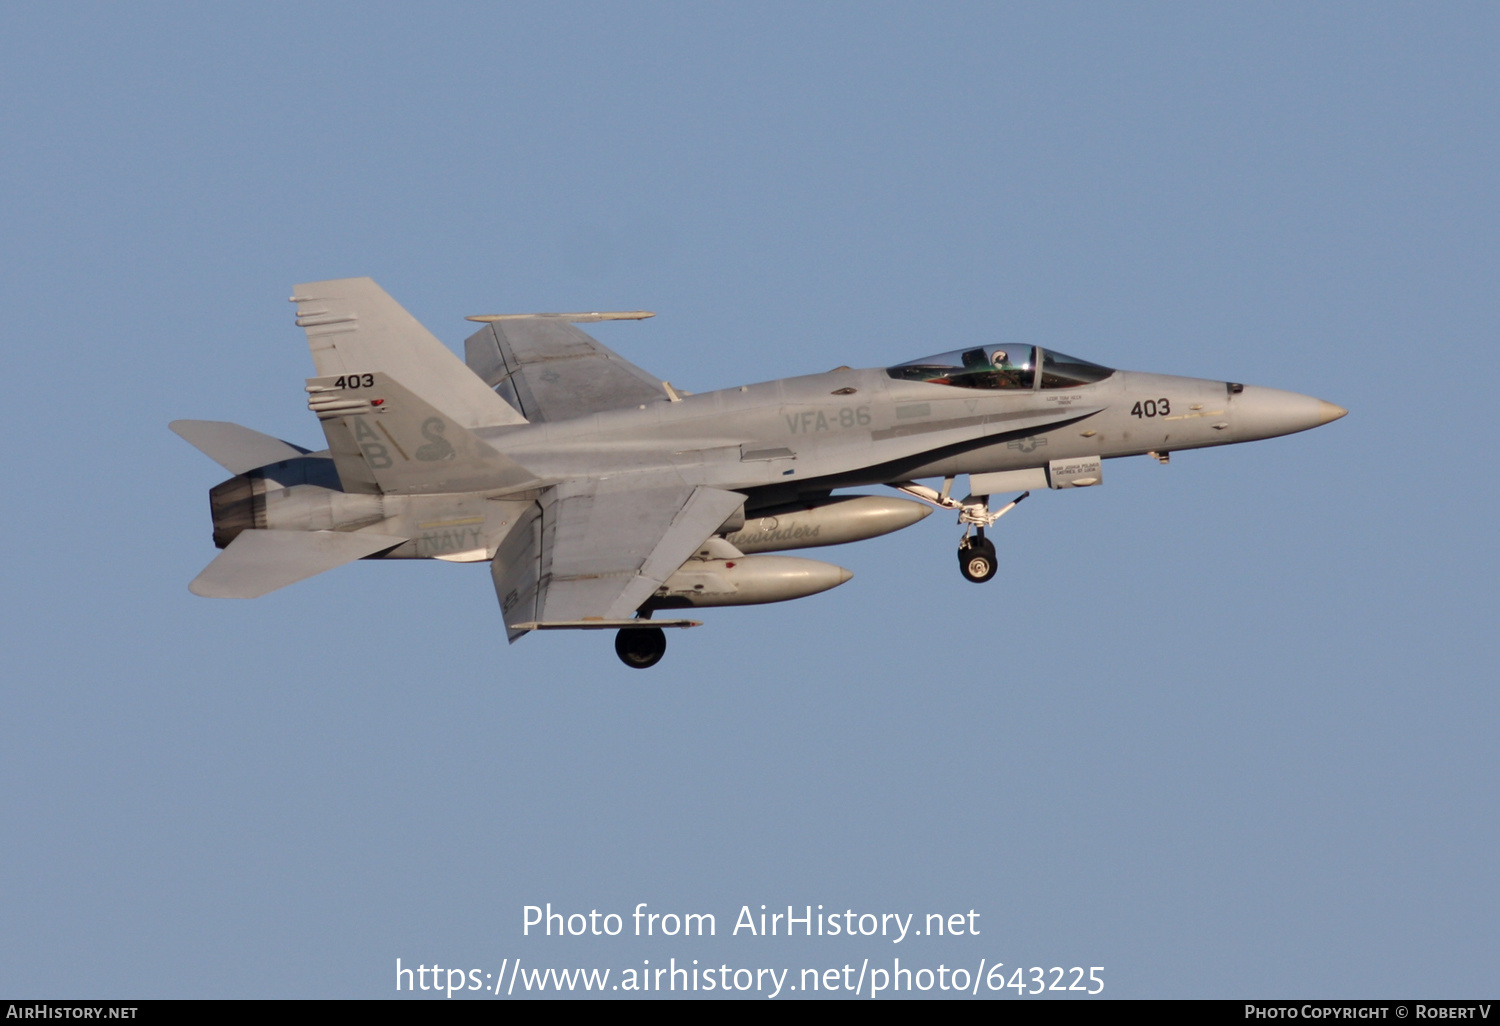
(1224,727)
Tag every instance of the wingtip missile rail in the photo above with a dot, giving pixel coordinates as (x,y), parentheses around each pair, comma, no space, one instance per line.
(598,315)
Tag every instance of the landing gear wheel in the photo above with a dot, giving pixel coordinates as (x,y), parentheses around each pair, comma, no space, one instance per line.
(641,647)
(976,559)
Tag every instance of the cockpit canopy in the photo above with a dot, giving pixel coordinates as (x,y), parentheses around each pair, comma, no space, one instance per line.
(1001,366)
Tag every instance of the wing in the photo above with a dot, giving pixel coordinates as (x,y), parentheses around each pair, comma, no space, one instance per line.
(550,370)
(591,551)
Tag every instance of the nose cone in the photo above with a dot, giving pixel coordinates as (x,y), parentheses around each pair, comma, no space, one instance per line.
(1268,412)
(1330,412)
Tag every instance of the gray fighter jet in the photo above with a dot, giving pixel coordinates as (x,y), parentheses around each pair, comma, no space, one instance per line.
(601,495)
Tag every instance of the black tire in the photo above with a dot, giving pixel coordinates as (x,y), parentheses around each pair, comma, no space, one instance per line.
(641,647)
(976,560)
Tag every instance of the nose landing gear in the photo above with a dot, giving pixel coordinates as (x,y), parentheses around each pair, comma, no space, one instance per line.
(976,553)
(641,647)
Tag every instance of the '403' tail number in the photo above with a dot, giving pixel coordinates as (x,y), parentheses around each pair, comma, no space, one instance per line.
(1151,408)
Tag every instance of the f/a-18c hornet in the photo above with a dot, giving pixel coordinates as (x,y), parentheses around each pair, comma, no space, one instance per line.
(600,495)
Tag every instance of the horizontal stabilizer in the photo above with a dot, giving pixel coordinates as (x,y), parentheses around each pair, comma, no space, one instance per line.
(236,449)
(260,561)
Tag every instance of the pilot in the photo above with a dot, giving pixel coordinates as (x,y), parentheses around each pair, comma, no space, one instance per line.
(1005,377)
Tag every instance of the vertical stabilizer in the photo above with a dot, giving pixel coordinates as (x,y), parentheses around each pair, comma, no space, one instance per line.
(354,327)
(385,438)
